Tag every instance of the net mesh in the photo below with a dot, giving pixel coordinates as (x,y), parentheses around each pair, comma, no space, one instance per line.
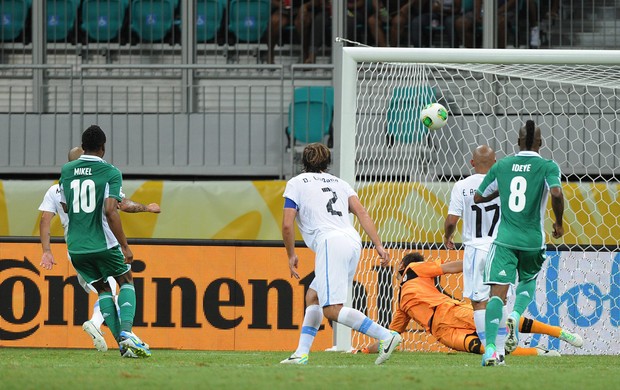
(404,175)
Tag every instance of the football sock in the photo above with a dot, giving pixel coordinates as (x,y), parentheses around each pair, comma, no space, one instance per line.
(127,305)
(472,344)
(479,321)
(312,321)
(355,319)
(520,351)
(112,282)
(528,325)
(109,313)
(502,331)
(524,295)
(97,318)
(493,316)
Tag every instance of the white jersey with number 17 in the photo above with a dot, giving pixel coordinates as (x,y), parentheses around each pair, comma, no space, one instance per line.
(479,220)
(322,206)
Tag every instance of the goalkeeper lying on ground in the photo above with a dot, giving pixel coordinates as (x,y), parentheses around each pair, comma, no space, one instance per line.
(450,321)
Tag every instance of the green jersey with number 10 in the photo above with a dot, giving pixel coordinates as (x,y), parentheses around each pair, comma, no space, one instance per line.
(85,184)
(523,182)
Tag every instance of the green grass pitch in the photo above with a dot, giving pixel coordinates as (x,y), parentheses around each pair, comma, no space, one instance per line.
(89,369)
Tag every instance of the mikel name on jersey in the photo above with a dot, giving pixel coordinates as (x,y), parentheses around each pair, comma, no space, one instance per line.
(82,172)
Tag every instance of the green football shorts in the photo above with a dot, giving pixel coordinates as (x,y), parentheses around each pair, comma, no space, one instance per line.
(100,265)
(504,264)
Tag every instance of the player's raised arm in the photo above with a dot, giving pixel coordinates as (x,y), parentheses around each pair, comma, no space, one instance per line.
(452,267)
(130,206)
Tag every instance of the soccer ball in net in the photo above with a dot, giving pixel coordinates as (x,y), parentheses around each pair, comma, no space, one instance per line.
(434,116)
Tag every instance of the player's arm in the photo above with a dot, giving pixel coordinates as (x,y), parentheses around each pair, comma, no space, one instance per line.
(47,260)
(355,206)
(488,190)
(288,235)
(557,204)
(431,269)
(552,178)
(478,198)
(452,267)
(129,206)
(114,221)
(110,206)
(449,229)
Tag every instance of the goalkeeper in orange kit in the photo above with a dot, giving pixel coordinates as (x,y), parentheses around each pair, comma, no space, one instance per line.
(450,321)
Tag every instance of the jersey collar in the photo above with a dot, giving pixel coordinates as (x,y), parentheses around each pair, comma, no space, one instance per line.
(528,153)
(90,157)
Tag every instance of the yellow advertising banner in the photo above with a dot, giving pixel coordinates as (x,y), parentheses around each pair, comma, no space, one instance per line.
(252,210)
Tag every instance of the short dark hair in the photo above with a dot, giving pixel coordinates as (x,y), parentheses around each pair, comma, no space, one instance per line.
(316,157)
(530,128)
(93,139)
(414,257)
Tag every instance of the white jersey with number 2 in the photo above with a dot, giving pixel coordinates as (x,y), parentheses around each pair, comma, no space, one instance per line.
(322,206)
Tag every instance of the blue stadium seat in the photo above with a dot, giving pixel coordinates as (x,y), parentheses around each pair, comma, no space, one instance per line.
(152,20)
(310,115)
(13,15)
(61,16)
(403,115)
(209,14)
(248,19)
(102,20)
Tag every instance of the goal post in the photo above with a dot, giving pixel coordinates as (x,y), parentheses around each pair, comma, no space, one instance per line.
(404,173)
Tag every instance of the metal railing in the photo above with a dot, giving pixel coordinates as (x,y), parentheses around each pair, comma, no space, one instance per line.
(160,119)
(219,33)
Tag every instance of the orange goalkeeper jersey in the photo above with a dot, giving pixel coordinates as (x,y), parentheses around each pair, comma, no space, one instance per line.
(419,297)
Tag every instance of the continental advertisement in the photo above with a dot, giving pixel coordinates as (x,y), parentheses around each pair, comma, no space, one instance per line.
(242,298)
(252,210)
(188,297)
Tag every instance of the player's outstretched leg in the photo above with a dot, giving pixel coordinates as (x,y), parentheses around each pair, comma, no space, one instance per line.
(94,332)
(387,346)
(572,338)
(512,338)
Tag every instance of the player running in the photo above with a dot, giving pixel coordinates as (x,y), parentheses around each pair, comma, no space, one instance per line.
(90,191)
(522,183)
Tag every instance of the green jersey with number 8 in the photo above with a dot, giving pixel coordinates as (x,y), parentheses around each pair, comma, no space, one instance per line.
(85,184)
(523,182)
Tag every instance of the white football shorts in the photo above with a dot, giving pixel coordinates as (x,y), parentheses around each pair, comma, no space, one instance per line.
(474,260)
(334,267)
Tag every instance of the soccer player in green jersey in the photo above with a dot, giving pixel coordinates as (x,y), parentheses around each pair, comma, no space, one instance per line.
(522,182)
(90,191)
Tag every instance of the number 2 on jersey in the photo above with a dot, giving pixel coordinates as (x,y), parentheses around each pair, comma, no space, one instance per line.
(83,196)
(330,203)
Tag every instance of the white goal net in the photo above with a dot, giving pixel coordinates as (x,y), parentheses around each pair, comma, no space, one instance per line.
(404,173)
